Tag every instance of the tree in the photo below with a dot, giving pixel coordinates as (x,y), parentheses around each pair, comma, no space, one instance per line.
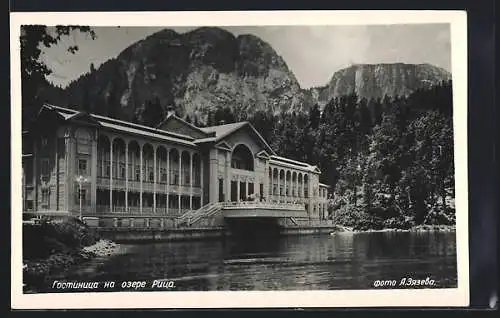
(152,114)
(33,70)
(314,116)
(264,123)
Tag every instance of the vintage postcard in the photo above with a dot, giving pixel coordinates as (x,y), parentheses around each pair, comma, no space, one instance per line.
(239,159)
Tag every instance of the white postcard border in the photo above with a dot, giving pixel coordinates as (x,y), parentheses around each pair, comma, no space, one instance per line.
(249,299)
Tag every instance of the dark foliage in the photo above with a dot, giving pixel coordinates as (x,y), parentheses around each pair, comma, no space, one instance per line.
(33,70)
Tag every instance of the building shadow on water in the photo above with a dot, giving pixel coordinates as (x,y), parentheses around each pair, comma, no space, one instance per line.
(257,237)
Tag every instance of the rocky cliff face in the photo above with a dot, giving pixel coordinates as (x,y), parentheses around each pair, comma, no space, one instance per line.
(209,68)
(197,72)
(377,80)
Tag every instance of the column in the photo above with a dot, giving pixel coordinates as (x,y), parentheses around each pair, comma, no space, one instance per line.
(141,173)
(154,179)
(168,177)
(285,186)
(69,176)
(93,175)
(158,171)
(202,181)
(267,179)
(56,168)
(35,175)
(297,186)
(227,186)
(270,194)
(190,180)
(303,186)
(238,190)
(180,180)
(309,188)
(111,176)
(212,184)
(126,175)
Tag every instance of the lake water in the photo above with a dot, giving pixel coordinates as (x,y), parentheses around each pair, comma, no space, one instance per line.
(309,262)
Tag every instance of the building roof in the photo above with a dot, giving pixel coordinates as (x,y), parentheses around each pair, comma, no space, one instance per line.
(222,131)
(218,133)
(285,162)
(123,126)
(175,117)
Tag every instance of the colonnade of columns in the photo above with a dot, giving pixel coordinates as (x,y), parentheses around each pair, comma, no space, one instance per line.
(286,185)
(143,177)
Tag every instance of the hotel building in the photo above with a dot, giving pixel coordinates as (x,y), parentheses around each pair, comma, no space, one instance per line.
(84,164)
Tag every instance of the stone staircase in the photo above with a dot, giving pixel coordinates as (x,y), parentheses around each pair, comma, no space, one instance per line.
(191,217)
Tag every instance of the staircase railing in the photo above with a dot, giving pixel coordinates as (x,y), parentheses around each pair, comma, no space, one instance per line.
(193,216)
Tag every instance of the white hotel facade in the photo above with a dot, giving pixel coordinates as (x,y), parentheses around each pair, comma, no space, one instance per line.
(174,169)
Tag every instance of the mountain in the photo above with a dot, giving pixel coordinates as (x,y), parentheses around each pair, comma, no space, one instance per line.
(196,72)
(377,80)
(209,70)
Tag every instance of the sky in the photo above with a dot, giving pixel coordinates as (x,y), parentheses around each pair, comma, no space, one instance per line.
(313,53)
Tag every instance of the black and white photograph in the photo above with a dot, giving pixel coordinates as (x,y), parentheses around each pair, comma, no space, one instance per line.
(232,155)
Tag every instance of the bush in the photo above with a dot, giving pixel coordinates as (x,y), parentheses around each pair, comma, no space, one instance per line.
(399,222)
(348,215)
(437,217)
(50,237)
(369,222)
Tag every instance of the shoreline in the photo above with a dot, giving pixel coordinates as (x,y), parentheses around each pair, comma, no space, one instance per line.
(413,229)
(135,235)
(37,271)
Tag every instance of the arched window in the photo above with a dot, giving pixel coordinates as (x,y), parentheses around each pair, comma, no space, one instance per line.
(242,158)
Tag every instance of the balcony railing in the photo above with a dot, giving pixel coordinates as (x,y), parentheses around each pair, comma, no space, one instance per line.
(147,186)
(263,205)
(135,210)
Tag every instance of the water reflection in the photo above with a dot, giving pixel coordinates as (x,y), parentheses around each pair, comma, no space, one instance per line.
(320,262)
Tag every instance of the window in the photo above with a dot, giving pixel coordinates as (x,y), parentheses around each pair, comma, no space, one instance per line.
(151,176)
(61,145)
(122,171)
(45,168)
(187,179)
(137,175)
(45,198)
(82,167)
(82,142)
(242,158)
(163,175)
(45,141)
